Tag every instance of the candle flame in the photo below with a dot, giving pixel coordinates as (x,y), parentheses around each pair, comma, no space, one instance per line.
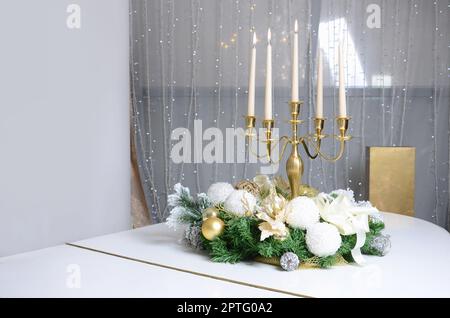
(269,35)
(296,26)
(254,38)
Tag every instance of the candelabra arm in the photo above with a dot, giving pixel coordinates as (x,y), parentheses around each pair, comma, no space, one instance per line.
(342,137)
(339,154)
(252,151)
(319,153)
(268,155)
(316,148)
(283,149)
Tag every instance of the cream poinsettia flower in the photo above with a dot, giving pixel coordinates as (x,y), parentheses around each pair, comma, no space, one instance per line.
(275,227)
(264,183)
(273,212)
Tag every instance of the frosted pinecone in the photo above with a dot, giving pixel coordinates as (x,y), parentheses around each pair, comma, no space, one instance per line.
(192,236)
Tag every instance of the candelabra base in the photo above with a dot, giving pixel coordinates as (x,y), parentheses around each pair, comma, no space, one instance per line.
(307,191)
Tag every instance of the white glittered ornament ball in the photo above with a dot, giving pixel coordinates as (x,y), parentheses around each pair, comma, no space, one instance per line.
(301,213)
(218,192)
(323,239)
(239,202)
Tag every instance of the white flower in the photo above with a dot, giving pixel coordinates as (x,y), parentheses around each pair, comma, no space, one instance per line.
(219,191)
(239,202)
(364,204)
(348,216)
(342,212)
(302,213)
(348,193)
(323,239)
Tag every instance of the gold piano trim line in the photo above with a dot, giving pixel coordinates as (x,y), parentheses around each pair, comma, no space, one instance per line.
(192,272)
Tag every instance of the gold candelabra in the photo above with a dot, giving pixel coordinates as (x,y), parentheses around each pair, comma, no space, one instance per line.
(310,142)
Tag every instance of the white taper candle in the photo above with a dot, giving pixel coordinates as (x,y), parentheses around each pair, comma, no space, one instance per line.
(319,104)
(251,80)
(342,102)
(294,89)
(268,95)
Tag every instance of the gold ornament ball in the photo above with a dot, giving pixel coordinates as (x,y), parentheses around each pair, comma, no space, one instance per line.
(212,228)
(210,212)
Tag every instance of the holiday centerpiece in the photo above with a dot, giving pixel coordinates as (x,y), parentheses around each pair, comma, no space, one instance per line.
(276,221)
(256,220)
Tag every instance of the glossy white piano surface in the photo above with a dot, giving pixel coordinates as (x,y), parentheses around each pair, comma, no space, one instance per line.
(151,262)
(417,265)
(66,271)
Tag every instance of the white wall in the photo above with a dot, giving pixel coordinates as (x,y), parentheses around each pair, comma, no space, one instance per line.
(64,138)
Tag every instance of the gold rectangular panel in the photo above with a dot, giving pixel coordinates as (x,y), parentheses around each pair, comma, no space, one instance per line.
(392,178)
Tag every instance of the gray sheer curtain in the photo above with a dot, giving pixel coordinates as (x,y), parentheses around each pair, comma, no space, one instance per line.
(189,60)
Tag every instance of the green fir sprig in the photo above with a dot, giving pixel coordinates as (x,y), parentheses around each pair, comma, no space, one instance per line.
(240,241)
(185,208)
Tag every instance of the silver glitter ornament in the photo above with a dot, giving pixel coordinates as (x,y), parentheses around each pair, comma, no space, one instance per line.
(381,243)
(192,236)
(289,261)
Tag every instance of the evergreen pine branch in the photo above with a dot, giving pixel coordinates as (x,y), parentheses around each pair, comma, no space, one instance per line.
(186,209)
(376,227)
(348,243)
(241,232)
(367,248)
(328,261)
(270,248)
(296,243)
(219,252)
(203,202)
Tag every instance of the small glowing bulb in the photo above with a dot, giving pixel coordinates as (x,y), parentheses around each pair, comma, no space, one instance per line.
(254,38)
(269,35)
(296,26)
